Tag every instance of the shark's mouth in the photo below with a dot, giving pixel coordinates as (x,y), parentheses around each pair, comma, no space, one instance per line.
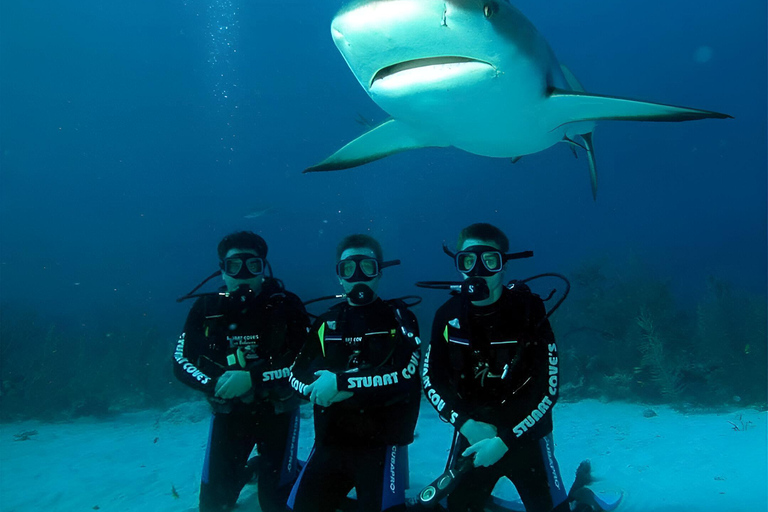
(422,67)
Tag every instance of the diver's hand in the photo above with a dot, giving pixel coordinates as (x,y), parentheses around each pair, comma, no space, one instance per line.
(341,396)
(487,452)
(233,383)
(476,431)
(324,392)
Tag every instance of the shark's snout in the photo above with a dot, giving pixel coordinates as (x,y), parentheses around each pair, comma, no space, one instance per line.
(401,47)
(372,14)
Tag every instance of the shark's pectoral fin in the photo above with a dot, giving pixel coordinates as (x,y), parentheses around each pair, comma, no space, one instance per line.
(589,145)
(388,138)
(516,159)
(576,106)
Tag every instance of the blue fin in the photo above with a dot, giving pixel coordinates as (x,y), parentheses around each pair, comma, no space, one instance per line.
(576,106)
(388,138)
(602,501)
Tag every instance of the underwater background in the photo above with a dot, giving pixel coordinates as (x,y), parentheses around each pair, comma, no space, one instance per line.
(135,135)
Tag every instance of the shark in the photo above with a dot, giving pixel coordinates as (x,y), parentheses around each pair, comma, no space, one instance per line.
(472,74)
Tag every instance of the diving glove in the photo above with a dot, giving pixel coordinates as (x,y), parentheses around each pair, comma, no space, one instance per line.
(487,452)
(476,431)
(233,384)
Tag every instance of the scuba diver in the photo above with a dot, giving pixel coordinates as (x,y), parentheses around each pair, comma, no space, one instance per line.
(237,347)
(491,371)
(359,367)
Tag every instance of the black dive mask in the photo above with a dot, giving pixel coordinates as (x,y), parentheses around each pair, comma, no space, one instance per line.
(361,268)
(482,260)
(242,265)
(360,295)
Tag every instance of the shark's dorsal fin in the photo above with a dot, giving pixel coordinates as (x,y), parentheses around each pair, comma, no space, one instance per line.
(571,79)
(388,138)
(575,106)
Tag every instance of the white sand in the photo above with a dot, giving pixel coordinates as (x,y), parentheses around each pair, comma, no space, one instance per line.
(670,462)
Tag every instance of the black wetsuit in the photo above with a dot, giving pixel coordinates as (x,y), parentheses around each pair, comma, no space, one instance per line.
(498,364)
(361,442)
(264,333)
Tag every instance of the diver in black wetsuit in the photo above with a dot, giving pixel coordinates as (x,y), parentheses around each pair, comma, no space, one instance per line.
(359,368)
(237,347)
(491,370)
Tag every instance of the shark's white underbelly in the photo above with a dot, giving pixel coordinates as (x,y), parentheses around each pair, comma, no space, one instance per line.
(488,119)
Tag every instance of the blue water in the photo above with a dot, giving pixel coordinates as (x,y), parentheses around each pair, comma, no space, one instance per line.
(132,140)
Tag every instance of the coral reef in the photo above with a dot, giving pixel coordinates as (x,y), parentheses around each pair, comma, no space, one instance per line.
(54,369)
(623,336)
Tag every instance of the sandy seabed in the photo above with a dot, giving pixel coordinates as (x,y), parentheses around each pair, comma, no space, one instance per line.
(152,460)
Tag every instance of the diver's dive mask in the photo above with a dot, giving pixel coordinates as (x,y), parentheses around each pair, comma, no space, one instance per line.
(360,268)
(242,265)
(483,260)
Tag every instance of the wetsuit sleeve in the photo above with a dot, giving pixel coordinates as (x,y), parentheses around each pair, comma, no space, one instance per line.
(436,376)
(276,369)
(529,408)
(189,350)
(396,375)
(303,368)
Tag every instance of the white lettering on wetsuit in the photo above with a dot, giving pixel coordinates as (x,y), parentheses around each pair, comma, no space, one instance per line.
(432,395)
(533,417)
(552,369)
(374,381)
(387,379)
(188,367)
(551,460)
(297,385)
(243,340)
(269,375)
(546,403)
(392,460)
(413,365)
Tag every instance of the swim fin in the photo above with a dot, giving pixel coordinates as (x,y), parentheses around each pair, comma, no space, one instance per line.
(587,500)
